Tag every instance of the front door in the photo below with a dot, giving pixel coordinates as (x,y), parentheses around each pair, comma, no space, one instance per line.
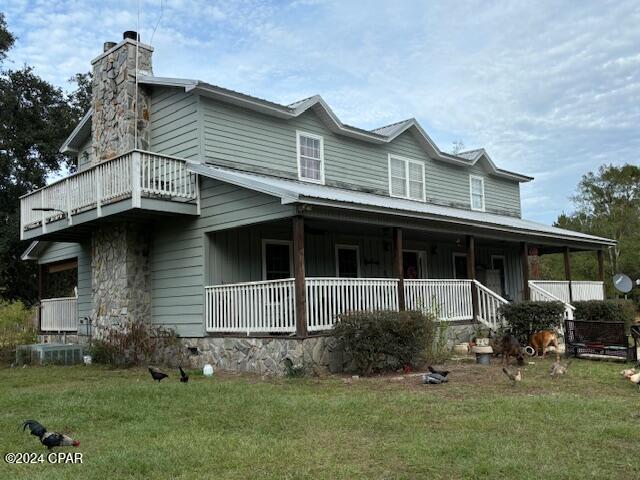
(460,266)
(412,264)
(497,263)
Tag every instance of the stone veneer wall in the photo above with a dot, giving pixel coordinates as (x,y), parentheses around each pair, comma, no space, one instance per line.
(114,101)
(120,274)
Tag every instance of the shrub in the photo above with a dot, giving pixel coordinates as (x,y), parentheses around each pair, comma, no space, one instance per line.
(606,311)
(130,344)
(525,318)
(16,328)
(384,339)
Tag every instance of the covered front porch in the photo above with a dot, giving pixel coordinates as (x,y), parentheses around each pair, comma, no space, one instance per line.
(295,276)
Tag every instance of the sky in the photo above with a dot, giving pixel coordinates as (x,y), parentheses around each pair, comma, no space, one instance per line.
(550,89)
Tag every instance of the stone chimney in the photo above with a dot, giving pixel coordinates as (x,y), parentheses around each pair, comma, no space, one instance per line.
(114,122)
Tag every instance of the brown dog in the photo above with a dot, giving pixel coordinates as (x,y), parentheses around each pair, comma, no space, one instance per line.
(511,348)
(541,341)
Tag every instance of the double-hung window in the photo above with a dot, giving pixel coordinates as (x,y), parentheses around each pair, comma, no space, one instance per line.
(476,188)
(310,157)
(406,178)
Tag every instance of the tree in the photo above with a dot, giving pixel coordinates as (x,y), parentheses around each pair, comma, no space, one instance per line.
(607,204)
(35,119)
(457,147)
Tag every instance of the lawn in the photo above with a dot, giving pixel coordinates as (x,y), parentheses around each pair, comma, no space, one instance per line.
(583,425)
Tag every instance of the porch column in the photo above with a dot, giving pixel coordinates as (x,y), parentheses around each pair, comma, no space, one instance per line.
(397,266)
(567,271)
(471,272)
(600,256)
(299,276)
(524,253)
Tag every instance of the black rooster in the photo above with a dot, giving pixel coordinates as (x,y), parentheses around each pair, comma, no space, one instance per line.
(49,439)
(157,374)
(184,378)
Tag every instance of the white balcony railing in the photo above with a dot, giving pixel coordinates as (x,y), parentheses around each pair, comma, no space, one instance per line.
(59,314)
(261,307)
(135,174)
(580,290)
(447,299)
(539,294)
(329,297)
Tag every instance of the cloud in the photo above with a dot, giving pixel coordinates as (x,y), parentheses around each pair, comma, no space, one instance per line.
(550,89)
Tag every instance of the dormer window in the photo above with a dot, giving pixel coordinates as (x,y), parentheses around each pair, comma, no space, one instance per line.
(406,178)
(310,157)
(476,187)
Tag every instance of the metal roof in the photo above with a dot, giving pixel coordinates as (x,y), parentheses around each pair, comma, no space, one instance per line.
(292,191)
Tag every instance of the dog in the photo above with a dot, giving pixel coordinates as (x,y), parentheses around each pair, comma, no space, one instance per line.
(511,348)
(541,341)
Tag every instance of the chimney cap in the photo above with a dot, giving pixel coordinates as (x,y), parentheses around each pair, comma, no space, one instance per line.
(132,35)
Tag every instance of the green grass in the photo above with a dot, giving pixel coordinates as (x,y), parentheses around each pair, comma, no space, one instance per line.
(584,425)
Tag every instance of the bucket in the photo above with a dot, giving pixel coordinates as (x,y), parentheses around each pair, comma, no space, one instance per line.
(86,359)
(483,358)
(207,370)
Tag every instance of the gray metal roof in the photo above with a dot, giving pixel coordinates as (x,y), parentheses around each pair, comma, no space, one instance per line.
(292,191)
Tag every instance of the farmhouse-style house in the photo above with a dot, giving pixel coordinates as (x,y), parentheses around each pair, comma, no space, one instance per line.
(247,226)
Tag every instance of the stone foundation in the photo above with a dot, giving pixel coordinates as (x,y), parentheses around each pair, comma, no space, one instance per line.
(62,338)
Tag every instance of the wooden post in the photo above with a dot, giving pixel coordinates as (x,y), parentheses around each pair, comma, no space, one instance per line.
(471,272)
(600,255)
(524,247)
(567,271)
(397,266)
(299,276)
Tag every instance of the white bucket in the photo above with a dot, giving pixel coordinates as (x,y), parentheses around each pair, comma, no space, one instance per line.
(207,370)
(86,359)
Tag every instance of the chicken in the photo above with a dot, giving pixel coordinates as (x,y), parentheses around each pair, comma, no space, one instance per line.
(559,368)
(628,373)
(49,439)
(157,374)
(514,378)
(444,373)
(433,378)
(635,378)
(184,378)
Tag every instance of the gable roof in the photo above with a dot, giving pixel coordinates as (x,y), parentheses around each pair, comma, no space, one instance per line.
(381,135)
(294,191)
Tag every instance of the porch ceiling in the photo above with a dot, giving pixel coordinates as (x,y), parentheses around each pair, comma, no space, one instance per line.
(367,207)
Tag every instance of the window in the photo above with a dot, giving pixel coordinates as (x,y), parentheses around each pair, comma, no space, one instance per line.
(476,186)
(413,264)
(406,178)
(276,259)
(310,157)
(347,261)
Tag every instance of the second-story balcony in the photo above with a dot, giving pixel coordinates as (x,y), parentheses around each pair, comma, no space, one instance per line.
(134,180)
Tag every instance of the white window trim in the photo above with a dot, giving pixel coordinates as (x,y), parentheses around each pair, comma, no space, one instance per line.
(453,259)
(406,171)
(422,258)
(471,179)
(300,133)
(269,241)
(347,247)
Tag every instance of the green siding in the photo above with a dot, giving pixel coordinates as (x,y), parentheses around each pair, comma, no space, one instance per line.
(174,123)
(178,251)
(58,251)
(240,138)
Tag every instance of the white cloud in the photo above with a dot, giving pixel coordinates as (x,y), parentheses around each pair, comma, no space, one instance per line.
(550,89)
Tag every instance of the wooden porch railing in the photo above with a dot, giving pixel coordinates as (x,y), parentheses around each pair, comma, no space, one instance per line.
(261,307)
(329,297)
(59,314)
(447,299)
(580,290)
(134,174)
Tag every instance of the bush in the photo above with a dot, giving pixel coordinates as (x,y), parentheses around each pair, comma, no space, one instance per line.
(384,340)
(606,311)
(136,343)
(16,328)
(525,318)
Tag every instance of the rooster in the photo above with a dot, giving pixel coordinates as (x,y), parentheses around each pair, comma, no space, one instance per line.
(184,378)
(157,374)
(514,378)
(49,439)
